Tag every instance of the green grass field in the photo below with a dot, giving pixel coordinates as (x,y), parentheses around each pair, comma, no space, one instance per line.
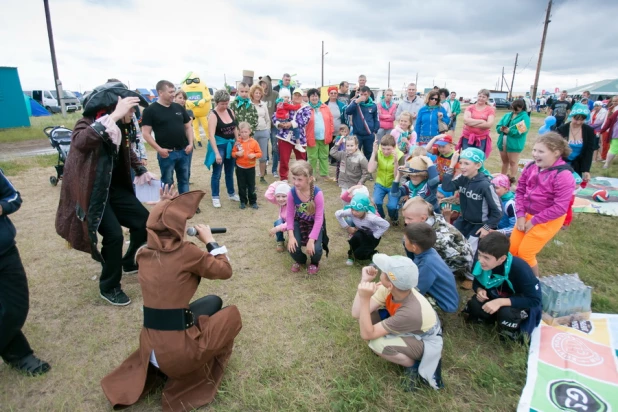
(37,124)
(299,349)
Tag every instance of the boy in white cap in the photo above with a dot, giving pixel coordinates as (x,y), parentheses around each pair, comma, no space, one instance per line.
(282,114)
(399,322)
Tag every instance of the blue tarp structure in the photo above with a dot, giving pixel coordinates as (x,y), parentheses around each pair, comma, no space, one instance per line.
(34,108)
(13,110)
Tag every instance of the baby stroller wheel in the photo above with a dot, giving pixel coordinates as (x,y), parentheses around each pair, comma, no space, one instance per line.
(53,180)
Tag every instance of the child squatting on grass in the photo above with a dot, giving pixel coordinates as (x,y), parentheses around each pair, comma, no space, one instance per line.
(543,195)
(398,321)
(367,229)
(277,194)
(506,290)
(305,219)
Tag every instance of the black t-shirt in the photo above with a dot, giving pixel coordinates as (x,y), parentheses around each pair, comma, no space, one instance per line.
(168,124)
(225,130)
(559,108)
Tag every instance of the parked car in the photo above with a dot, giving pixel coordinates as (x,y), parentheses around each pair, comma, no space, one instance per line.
(473,100)
(48,99)
(70,100)
(500,103)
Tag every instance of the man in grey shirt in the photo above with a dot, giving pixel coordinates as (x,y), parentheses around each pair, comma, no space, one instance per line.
(411,103)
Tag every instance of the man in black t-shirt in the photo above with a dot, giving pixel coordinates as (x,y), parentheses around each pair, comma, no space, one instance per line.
(560,109)
(174,136)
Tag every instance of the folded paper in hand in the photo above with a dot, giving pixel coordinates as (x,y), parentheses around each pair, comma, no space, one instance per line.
(149,191)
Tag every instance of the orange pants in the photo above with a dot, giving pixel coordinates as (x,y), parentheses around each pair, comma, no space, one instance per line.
(527,245)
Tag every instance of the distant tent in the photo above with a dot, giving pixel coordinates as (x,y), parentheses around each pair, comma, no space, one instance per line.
(34,108)
(607,87)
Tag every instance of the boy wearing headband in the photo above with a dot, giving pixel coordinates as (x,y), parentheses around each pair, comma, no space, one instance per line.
(398,321)
(367,228)
(480,206)
(507,291)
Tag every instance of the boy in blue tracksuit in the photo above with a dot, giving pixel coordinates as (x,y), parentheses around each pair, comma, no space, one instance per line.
(365,123)
(434,276)
(14,347)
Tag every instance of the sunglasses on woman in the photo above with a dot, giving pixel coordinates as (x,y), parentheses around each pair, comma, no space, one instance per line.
(433,98)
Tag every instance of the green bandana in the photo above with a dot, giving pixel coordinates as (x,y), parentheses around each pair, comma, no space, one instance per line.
(286,87)
(477,156)
(242,100)
(386,106)
(361,203)
(490,280)
(316,106)
(508,196)
(369,102)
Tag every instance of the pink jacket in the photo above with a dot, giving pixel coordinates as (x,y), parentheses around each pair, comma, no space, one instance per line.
(386,116)
(270,196)
(544,194)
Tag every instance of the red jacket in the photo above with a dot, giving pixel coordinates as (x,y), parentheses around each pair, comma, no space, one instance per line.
(284,109)
(329,126)
(609,124)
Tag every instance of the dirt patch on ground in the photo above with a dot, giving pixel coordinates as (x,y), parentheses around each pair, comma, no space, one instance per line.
(25,148)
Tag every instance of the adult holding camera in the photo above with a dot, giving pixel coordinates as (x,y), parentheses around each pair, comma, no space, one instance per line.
(188,344)
(97,192)
(365,123)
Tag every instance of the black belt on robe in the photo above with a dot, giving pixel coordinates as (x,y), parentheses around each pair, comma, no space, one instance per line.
(168,319)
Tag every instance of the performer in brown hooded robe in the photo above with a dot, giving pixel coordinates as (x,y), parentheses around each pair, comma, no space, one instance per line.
(189,345)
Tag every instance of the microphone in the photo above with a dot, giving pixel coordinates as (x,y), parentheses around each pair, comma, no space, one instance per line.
(191,231)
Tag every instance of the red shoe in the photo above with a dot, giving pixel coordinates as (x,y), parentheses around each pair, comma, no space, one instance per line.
(296,267)
(312,269)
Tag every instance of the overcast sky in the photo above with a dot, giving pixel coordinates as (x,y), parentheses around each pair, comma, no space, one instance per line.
(464,44)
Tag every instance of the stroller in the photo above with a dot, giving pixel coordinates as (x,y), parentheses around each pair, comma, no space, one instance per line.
(60,139)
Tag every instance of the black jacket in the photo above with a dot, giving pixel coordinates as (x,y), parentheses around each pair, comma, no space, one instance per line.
(583,162)
(10,201)
(478,199)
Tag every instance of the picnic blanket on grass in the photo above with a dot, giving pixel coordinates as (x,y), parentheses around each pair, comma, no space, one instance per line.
(573,368)
(585,204)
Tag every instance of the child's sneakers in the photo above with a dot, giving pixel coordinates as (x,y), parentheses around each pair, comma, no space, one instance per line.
(349,262)
(242,205)
(263,181)
(295,267)
(299,148)
(216,203)
(255,206)
(234,198)
(312,269)
(280,247)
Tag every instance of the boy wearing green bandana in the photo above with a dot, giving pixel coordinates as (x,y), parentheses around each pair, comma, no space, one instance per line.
(507,291)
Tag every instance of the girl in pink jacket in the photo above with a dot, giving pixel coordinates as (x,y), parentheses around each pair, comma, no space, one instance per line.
(386,113)
(277,194)
(543,195)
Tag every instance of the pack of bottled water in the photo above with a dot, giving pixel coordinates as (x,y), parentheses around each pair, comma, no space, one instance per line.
(565,295)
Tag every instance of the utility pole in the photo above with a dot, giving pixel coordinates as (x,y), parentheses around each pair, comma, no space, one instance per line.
(538,65)
(502,79)
(513,79)
(52,50)
(322,63)
(389,75)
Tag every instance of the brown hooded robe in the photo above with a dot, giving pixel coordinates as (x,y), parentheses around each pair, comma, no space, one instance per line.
(169,272)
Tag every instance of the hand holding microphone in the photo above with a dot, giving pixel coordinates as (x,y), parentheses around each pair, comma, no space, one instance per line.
(204,232)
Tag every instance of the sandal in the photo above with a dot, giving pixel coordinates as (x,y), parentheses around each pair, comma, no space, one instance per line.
(312,269)
(296,267)
(31,365)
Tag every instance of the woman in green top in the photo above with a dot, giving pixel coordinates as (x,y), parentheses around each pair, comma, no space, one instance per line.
(513,129)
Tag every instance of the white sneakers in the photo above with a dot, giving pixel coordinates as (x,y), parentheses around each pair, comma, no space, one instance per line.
(216,203)
(234,198)
(299,148)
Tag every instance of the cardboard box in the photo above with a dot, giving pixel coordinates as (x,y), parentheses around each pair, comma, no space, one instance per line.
(565,320)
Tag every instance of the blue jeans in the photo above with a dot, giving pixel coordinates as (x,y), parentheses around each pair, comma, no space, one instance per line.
(275,148)
(299,256)
(365,143)
(379,192)
(279,235)
(228,165)
(482,145)
(177,161)
(453,123)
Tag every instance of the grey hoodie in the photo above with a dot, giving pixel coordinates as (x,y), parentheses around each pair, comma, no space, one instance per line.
(270,96)
(409,106)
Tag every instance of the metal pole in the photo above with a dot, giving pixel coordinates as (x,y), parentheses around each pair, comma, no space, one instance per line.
(52,50)
(538,65)
(513,78)
(502,79)
(389,74)
(416,81)
(322,63)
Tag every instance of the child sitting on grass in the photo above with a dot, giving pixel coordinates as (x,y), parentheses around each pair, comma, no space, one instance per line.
(503,185)
(543,195)
(423,181)
(405,136)
(277,194)
(434,276)
(352,164)
(367,230)
(444,150)
(398,321)
(246,151)
(385,159)
(507,292)
(480,206)
(449,205)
